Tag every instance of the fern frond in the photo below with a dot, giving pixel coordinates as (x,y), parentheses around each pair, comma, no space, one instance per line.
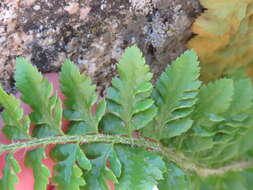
(41,173)
(234,125)
(80,98)
(38,93)
(101,153)
(129,105)
(214,99)
(175,178)
(16,123)
(9,179)
(243,96)
(175,96)
(68,171)
(141,169)
(198,137)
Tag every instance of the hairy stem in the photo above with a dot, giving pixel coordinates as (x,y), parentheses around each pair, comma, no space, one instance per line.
(168,153)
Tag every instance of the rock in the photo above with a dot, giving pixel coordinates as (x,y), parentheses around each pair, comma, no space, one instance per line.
(92,33)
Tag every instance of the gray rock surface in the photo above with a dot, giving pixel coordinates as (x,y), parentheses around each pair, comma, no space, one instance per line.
(92,33)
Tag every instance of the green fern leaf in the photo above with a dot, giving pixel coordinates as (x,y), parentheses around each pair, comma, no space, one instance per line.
(80,98)
(128,100)
(175,96)
(140,169)
(214,98)
(41,172)
(68,170)
(248,175)
(16,124)
(38,93)
(101,153)
(175,178)
(214,101)
(176,128)
(234,181)
(243,96)
(230,181)
(9,179)
(196,143)
(234,126)
(246,142)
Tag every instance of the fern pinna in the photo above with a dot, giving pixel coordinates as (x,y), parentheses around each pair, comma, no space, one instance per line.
(180,134)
